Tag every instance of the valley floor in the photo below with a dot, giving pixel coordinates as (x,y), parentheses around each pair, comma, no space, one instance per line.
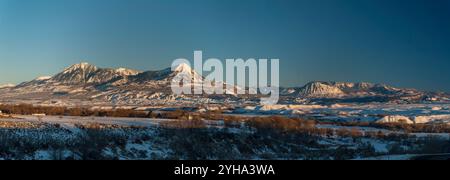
(65,137)
(71,121)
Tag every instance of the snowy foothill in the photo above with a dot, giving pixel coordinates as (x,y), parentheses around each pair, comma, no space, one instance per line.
(367,112)
(395,119)
(2,86)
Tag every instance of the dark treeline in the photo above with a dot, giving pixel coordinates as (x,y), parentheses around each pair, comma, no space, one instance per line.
(27,109)
(407,128)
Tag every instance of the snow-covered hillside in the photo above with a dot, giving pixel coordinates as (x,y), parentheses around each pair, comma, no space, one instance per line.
(2,86)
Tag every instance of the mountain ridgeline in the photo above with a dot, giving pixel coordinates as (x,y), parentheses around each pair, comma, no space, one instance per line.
(90,85)
(345,89)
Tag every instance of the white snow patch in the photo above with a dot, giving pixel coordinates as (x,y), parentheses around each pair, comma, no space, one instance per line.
(432,118)
(395,119)
(43,78)
(7,86)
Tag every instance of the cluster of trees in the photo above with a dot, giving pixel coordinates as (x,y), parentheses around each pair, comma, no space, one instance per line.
(280,123)
(416,128)
(407,128)
(285,125)
(177,114)
(26,109)
(185,124)
(18,125)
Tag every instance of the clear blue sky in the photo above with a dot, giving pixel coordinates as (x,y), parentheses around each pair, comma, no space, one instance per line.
(404,43)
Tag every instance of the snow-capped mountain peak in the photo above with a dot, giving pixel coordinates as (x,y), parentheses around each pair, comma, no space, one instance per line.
(320,89)
(167,74)
(183,67)
(127,72)
(76,74)
(84,66)
(85,73)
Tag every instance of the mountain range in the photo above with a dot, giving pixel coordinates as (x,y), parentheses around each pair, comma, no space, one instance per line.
(85,84)
(319,89)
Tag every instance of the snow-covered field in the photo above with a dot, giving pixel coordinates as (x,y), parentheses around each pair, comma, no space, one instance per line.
(366,130)
(70,121)
(402,157)
(75,137)
(369,112)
